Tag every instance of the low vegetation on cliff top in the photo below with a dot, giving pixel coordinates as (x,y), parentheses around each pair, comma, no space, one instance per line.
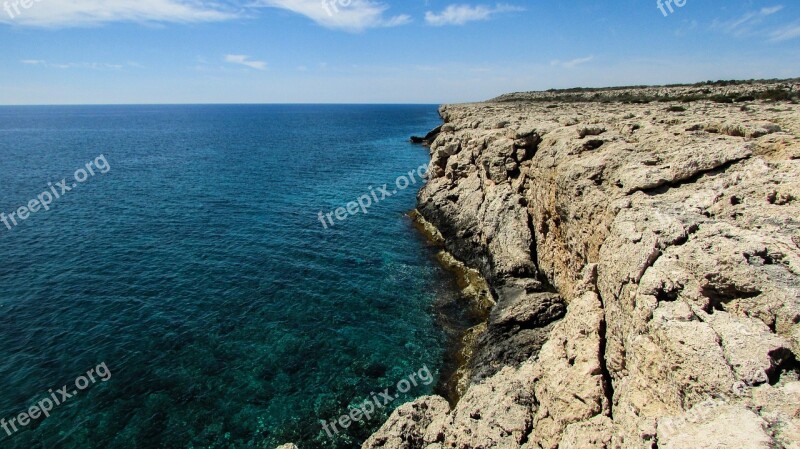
(716,91)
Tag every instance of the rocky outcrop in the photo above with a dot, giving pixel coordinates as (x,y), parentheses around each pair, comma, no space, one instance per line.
(645,264)
(428,139)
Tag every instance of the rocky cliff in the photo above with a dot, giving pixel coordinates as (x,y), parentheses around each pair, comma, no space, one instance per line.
(644,258)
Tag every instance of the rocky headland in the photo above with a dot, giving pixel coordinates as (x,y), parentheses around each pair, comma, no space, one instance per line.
(641,251)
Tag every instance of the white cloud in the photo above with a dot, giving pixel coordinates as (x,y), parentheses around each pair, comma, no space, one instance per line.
(246,61)
(348,15)
(786,33)
(744,25)
(771,10)
(462,14)
(573,63)
(76,65)
(73,13)
(753,24)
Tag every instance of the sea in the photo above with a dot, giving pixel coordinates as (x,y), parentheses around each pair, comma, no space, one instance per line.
(175,272)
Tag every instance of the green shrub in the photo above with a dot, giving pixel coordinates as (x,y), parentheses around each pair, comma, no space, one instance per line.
(692,98)
(721,99)
(775,95)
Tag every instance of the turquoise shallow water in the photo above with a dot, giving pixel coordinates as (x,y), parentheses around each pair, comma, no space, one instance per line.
(197,270)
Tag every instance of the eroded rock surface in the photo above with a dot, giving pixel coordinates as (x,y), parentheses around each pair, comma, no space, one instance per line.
(669,241)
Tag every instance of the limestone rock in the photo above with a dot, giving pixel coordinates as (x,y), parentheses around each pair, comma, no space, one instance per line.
(644,266)
(517,329)
(406,428)
(594,433)
(569,377)
(711,425)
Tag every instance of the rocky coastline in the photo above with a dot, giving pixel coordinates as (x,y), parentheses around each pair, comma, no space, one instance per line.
(641,248)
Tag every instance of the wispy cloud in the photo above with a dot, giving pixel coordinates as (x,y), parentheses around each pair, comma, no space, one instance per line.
(79,13)
(573,63)
(786,33)
(357,15)
(347,15)
(747,23)
(246,61)
(77,65)
(687,27)
(462,14)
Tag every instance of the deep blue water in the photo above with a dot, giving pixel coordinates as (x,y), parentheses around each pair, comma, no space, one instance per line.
(197,270)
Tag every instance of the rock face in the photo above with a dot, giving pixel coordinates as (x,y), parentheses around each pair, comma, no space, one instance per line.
(645,264)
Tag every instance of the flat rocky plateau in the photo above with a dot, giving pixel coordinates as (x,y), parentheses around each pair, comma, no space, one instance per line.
(642,248)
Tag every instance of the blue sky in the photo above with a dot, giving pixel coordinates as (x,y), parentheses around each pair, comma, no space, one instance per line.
(369,51)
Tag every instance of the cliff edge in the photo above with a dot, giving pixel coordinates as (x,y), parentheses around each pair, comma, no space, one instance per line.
(644,257)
